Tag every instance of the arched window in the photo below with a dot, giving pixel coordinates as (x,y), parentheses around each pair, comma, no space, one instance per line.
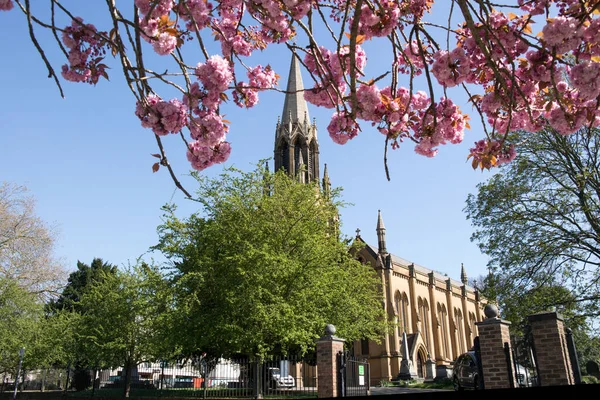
(404,315)
(473,330)
(460,331)
(424,315)
(398,312)
(443,321)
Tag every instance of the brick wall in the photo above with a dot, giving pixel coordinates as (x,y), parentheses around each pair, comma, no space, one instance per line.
(328,348)
(493,333)
(552,354)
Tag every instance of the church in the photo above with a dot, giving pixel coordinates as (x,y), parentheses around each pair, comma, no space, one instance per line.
(434,315)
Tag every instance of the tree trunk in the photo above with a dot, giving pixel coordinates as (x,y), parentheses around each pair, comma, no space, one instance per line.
(127,385)
(43,387)
(67,381)
(94,382)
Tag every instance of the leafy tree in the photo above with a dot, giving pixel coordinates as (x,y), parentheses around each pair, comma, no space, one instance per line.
(78,281)
(538,220)
(27,244)
(123,318)
(20,313)
(260,270)
(523,65)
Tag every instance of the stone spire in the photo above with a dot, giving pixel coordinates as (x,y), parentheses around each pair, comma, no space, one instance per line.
(295,108)
(463,274)
(326,183)
(380,233)
(296,136)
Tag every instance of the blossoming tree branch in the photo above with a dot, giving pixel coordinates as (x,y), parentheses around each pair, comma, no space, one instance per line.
(517,78)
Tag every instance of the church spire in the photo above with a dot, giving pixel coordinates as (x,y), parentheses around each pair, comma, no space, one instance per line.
(296,136)
(326,183)
(295,108)
(463,274)
(380,233)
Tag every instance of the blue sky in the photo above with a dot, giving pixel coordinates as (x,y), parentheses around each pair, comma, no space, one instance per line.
(87,161)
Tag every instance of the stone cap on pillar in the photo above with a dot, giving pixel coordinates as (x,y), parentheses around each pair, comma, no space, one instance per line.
(492,316)
(330,334)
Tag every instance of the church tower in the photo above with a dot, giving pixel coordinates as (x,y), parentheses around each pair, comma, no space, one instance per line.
(296,144)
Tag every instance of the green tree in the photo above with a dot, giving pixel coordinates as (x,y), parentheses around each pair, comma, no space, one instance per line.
(78,281)
(538,220)
(20,313)
(260,270)
(124,318)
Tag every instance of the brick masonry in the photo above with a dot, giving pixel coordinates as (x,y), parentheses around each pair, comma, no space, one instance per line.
(551,349)
(493,333)
(328,348)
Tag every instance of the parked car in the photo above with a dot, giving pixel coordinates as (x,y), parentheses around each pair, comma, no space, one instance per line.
(276,381)
(466,373)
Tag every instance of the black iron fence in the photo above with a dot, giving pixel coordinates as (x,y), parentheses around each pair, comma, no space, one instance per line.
(215,378)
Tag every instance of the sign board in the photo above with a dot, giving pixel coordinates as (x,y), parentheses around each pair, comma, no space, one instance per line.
(361,380)
(361,370)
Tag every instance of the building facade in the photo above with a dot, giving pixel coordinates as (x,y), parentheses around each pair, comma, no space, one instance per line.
(435,316)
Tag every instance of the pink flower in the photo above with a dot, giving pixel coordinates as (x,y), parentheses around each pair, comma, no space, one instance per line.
(342,128)
(161,116)
(202,157)
(6,5)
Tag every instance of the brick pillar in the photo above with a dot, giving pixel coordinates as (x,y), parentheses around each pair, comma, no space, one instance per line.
(551,351)
(493,334)
(328,348)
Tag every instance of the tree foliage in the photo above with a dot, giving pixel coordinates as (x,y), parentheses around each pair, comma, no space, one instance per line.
(124,319)
(538,219)
(27,244)
(79,280)
(522,64)
(20,313)
(260,270)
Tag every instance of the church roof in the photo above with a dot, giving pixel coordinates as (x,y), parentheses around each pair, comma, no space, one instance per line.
(419,268)
(294,105)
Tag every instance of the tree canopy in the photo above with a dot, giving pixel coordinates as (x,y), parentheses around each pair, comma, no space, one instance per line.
(124,320)
(538,219)
(27,244)
(523,65)
(260,269)
(78,281)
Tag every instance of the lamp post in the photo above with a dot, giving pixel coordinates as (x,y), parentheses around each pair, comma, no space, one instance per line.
(21,354)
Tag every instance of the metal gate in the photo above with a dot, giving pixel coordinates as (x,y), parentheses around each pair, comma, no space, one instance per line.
(524,364)
(354,375)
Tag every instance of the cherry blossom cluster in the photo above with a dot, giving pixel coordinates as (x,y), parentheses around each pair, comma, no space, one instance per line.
(491,153)
(6,5)
(86,53)
(246,95)
(156,25)
(163,117)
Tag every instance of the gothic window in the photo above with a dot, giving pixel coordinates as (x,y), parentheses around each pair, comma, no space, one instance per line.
(473,330)
(443,321)
(284,155)
(405,315)
(398,312)
(460,330)
(424,315)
